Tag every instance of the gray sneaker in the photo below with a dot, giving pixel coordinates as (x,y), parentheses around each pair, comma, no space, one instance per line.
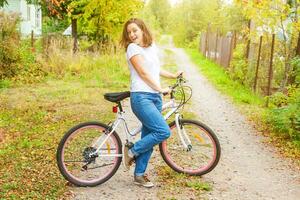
(143,181)
(127,160)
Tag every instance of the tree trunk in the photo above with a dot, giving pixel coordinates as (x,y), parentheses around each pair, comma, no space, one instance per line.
(270,71)
(298,45)
(74,35)
(248,42)
(257,64)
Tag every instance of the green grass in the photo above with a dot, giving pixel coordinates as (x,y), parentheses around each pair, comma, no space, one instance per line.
(4,84)
(177,186)
(219,77)
(34,118)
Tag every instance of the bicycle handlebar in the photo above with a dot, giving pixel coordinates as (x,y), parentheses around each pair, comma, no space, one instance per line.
(179,81)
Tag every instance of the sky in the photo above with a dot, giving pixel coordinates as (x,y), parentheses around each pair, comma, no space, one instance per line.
(173,1)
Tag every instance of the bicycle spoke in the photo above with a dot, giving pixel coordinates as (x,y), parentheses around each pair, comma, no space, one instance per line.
(202,154)
(104,165)
(72,161)
(83,161)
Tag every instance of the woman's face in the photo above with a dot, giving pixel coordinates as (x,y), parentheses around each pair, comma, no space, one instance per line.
(135,34)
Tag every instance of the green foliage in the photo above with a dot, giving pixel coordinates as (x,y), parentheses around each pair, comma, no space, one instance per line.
(31,71)
(188,18)
(151,21)
(295,73)
(285,114)
(103,21)
(238,64)
(4,83)
(10,57)
(278,99)
(17,61)
(160,10)
(53,25)
(63,63)
(2,3)
(197,185)
(267,15)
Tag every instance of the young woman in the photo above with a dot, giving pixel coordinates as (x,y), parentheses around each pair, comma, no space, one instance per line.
(145,96)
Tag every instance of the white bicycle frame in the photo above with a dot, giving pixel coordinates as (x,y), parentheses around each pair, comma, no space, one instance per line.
(186,142)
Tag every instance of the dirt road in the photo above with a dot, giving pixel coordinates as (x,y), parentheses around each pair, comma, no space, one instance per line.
(248,169)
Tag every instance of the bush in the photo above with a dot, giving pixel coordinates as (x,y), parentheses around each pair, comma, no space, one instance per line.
(285,118)
(30,70)
(239,65)
(10,55)
(295,74)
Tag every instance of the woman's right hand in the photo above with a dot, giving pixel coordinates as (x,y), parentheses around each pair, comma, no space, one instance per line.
(165,91)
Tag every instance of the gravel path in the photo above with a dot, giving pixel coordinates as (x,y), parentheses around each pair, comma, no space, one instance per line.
(248,169)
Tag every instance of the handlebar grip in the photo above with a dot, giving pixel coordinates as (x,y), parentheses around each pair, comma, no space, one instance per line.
(180,75)
(165,93)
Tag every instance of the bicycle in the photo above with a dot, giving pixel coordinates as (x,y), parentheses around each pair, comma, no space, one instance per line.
(90,153)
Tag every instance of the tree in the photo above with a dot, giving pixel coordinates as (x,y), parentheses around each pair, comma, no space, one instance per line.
(281,18)
(160,9)
(3,3)
(63,9)
(103,19)
(190,17)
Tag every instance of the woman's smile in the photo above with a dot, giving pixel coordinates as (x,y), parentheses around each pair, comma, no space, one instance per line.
(135,34)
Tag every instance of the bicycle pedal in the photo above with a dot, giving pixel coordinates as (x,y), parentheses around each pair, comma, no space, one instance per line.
(129,144)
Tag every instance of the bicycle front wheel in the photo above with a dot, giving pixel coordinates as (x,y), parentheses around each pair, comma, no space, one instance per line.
(202,154)
(87,155)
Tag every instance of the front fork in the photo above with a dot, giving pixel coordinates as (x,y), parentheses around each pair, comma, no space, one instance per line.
(184,138)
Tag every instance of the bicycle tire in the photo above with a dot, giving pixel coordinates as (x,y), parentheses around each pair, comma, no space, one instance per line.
(61,154)
(170,153)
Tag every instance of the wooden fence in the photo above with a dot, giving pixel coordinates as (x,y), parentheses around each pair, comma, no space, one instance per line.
(218,48)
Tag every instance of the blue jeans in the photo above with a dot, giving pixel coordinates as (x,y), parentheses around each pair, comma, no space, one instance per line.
(147,108)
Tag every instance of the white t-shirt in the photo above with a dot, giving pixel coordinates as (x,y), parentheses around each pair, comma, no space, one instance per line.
(151,65)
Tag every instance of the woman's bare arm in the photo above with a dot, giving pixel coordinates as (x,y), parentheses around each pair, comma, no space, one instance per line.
(137,62)
(167,74)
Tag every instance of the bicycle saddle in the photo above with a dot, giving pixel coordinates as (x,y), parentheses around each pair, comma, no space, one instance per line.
(116,96)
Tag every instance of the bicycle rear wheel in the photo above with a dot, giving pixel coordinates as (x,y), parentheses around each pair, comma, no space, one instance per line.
(76,157)
(204,153)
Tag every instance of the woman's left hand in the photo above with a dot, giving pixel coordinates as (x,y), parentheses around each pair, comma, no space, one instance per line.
(178,73)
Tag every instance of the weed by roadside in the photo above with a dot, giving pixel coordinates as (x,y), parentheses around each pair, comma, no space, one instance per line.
(180,186)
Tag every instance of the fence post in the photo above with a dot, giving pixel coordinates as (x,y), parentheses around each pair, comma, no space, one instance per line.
(74,35)
(270,70)
(216,45)
(257,64)
(231,49)
(248,42)
(234,41)
(205,47)
(207,41)
(32,41)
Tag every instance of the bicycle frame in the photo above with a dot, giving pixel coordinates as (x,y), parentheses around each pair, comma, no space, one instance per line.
(121,119)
